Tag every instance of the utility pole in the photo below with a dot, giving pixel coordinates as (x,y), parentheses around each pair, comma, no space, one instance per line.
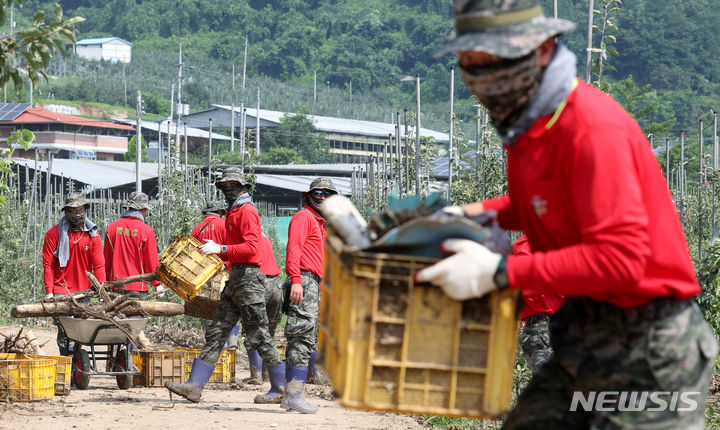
(451,158)
(715,168)
(588,62)
(257,125)
(159,154)
(124,85)
(180,106)
(417,140)
(232,112)
(555,10)
(209,190)
(398,151)
(245,63)
(700,195)
(138,143)
(314,89)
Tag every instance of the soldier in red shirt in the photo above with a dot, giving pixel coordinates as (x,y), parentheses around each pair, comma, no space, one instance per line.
(244,296)
(131,247)
(71,248)
(304,268)
(631,348)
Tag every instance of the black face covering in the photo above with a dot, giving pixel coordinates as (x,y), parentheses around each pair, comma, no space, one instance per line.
(232,192)
(75,220)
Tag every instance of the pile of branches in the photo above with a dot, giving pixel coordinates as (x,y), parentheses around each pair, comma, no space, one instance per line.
(169,336)
(22,342)
(115,303)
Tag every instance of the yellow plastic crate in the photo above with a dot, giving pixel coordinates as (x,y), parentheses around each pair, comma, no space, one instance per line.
(224,368)
(63,370)
(159,367)
(184,269)
(206,301)
(25,378)
(388,344)
(138,362)
(63,373)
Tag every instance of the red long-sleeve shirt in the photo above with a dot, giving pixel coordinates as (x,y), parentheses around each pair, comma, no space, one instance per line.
(85,255)
(243,231)
(269,262)
(306,244)
(130,249)
(590,195)
(212,227)
(535,303)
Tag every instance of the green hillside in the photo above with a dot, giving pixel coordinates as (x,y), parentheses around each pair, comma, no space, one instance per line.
(367,46)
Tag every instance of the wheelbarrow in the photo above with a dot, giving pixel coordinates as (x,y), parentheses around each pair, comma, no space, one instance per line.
(118,355)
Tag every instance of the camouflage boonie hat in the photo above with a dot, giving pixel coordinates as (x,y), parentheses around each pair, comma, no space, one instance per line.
(504,28)
(322,182)
(138,200)
(232,174)
(75,200)
(215,206)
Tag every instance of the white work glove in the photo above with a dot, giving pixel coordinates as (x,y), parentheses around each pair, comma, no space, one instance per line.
(210,247)
(466,275)
(160,290)
(457,211)
(49,295)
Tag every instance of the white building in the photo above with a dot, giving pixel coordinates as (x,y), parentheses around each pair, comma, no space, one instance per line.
(106,48)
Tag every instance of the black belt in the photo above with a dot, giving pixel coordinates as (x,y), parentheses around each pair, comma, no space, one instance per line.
(241,266)
(589,311)
(312,276)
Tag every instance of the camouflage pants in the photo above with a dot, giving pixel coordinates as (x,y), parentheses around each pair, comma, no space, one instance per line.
(609,362)
(301,325)
(243,298)
(273,307)
(535,341)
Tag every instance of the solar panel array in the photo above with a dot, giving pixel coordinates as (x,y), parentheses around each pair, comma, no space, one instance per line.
(10,111)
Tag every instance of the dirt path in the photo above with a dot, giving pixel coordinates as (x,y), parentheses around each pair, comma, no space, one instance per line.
(104,406)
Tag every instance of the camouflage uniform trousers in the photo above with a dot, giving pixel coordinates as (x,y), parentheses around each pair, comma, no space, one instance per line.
(302,322)
(535,341)
(273,307)
(664,348)
(243,298)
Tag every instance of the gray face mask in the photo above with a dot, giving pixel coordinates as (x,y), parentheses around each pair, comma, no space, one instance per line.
(75,220)
(232,192)
(505,88)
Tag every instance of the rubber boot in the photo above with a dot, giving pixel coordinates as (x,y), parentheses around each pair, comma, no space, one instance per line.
(232,340)
(192,389)
(277,379)
(313,378)
(294,398)
(256,363)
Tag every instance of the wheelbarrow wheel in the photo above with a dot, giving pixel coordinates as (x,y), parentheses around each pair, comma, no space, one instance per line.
(121,365)
(80,361)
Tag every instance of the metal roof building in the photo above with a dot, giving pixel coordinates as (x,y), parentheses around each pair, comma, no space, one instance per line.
(352,140)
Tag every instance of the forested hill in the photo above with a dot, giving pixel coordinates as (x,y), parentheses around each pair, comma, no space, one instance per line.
(672,45)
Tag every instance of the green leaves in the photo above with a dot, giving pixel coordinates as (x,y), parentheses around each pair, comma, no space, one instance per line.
(31,48)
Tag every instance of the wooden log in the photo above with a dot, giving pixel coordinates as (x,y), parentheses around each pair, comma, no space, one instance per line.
(119,284)
(159,309)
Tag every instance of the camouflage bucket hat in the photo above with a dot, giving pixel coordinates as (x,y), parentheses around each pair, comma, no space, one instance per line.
(232,174)
(138,200)
(505,28)
(75,200)
(215,206)
(322,182)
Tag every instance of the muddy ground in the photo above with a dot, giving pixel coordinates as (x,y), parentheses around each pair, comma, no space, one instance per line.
(104,406)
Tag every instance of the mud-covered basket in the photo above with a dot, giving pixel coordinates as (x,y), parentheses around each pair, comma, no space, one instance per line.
(184,269)
(206,301)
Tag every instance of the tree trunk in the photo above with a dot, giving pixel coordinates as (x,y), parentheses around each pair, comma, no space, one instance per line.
(164,309)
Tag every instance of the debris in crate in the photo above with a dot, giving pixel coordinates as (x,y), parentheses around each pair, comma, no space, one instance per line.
(22,342)
(409,226)
(347,221)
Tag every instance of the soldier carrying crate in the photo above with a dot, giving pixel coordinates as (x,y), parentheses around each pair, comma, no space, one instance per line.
(244,296)
(587,190)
